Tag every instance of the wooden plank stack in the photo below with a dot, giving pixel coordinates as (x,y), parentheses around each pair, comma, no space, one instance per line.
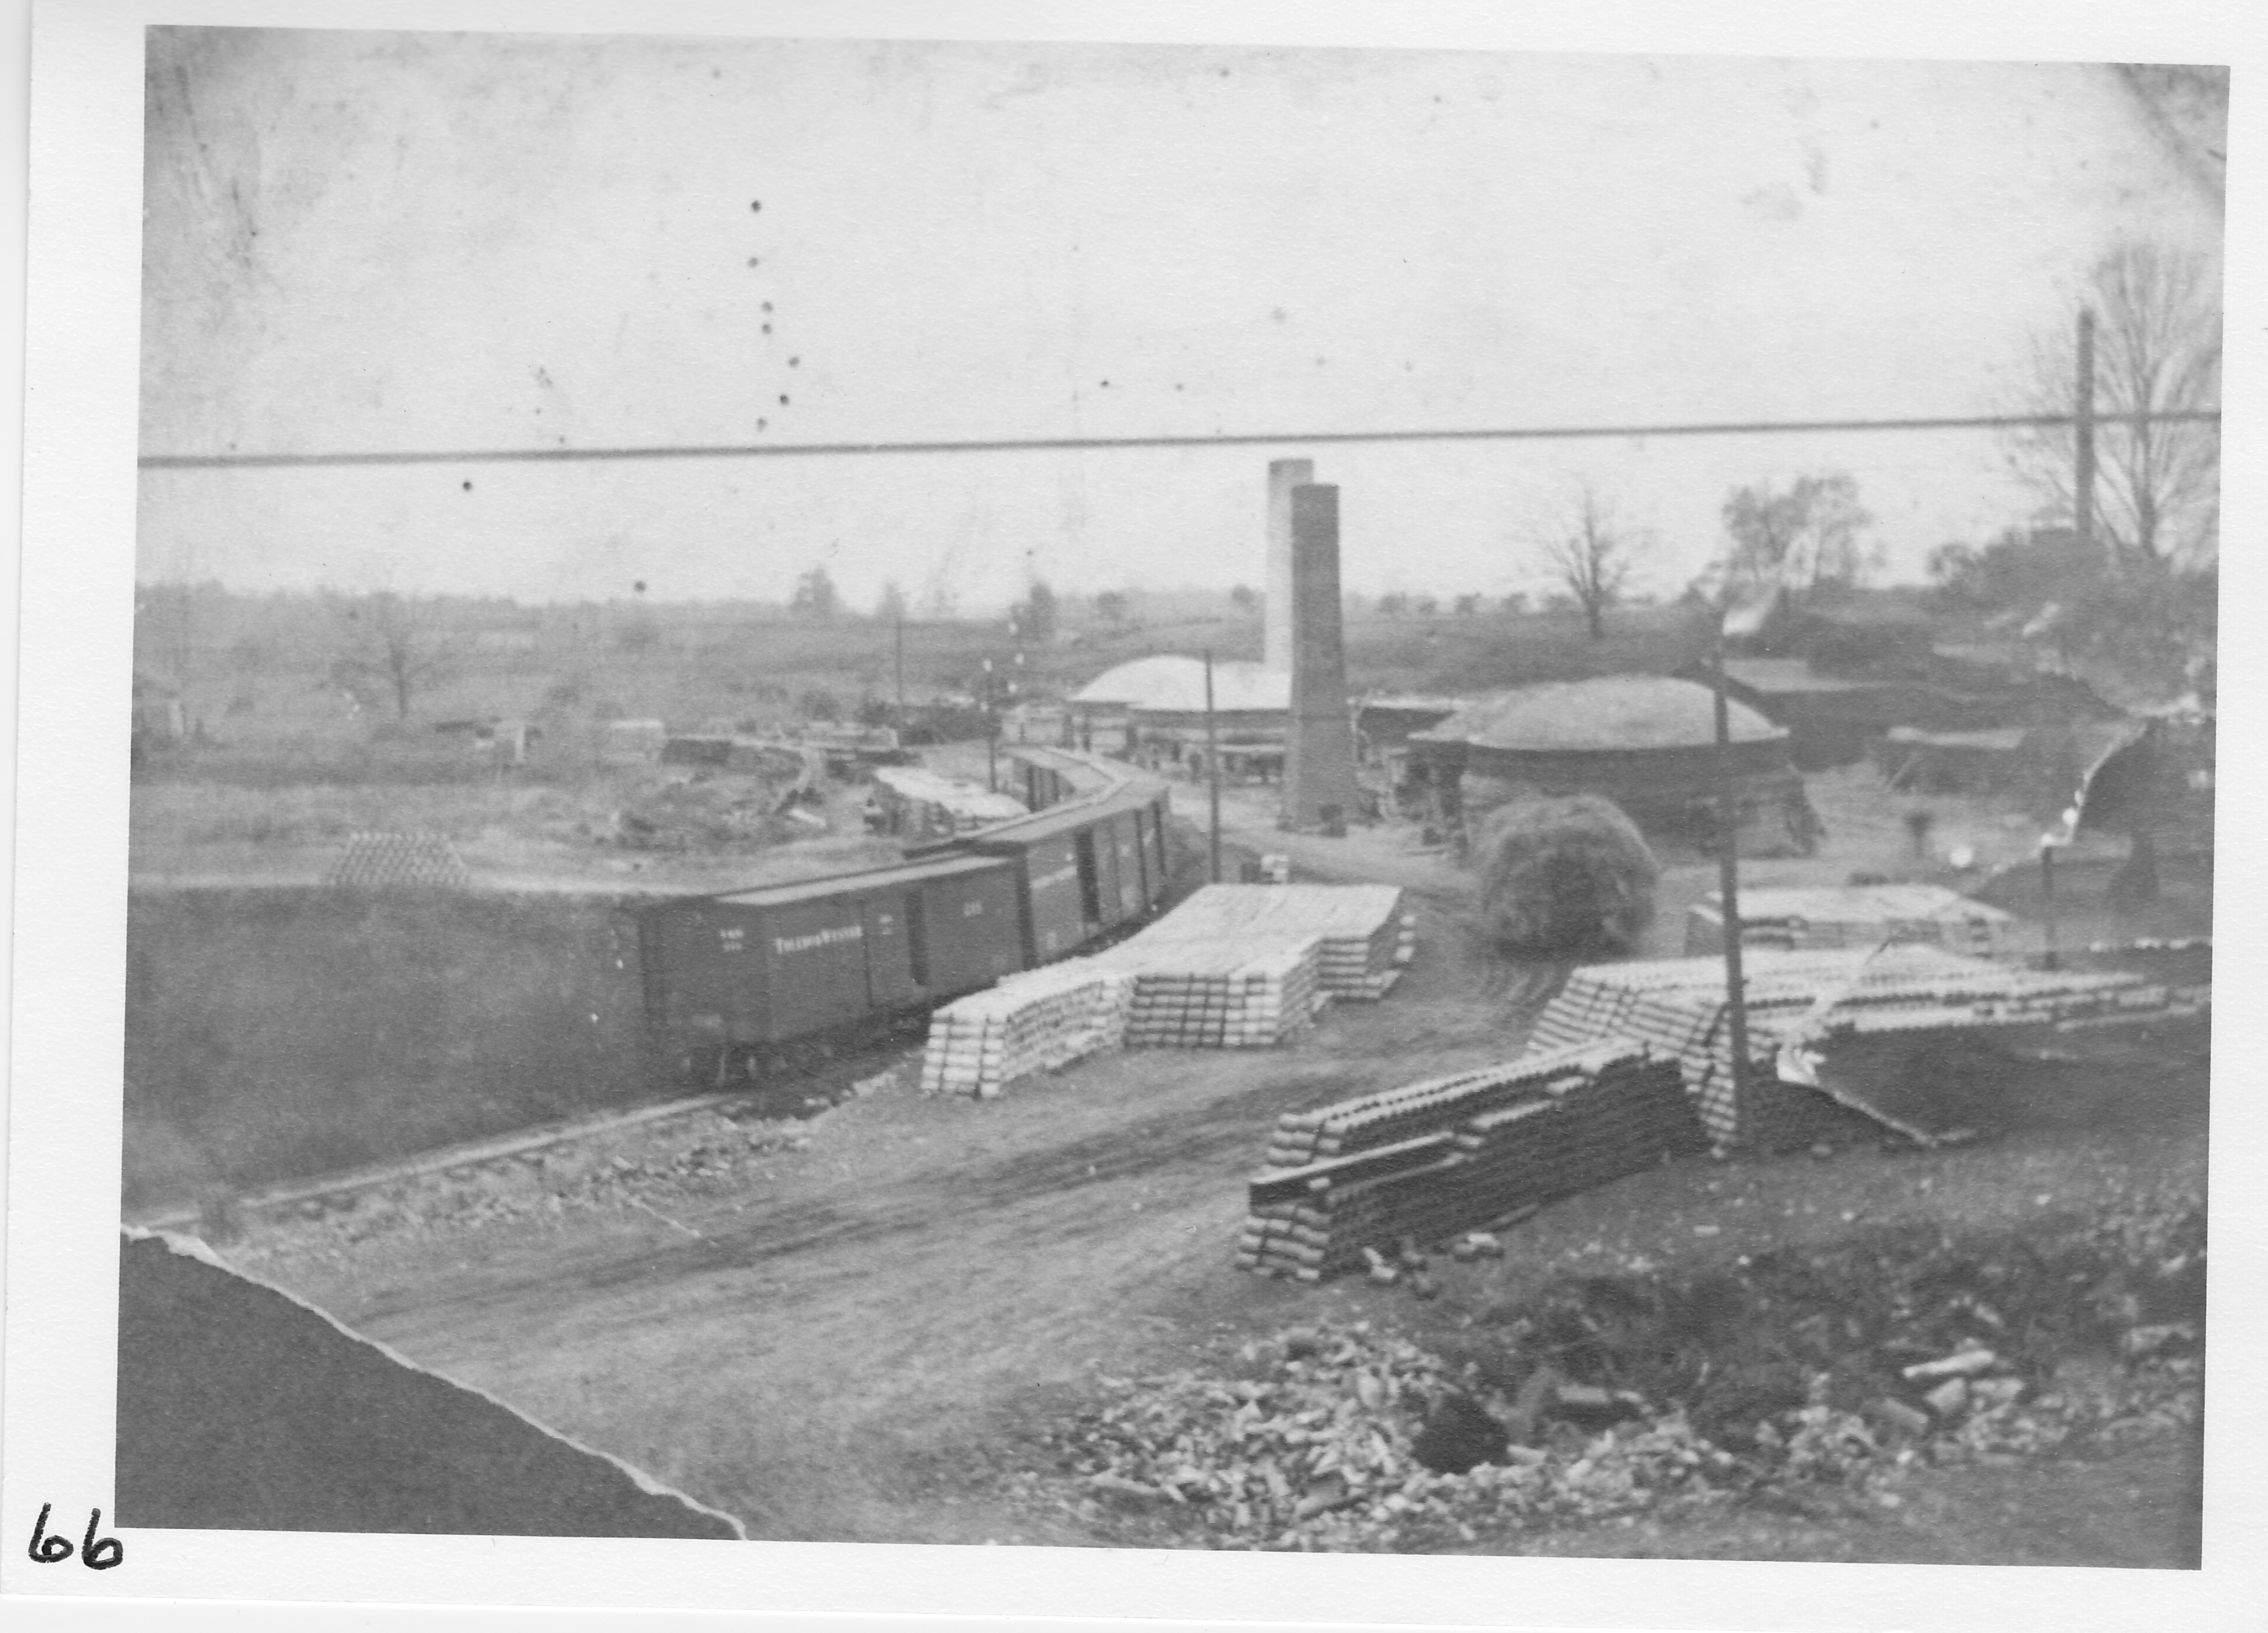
(1036,1022)
(1431,1160)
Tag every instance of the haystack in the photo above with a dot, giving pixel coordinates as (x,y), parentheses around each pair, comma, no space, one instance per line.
(1565,876)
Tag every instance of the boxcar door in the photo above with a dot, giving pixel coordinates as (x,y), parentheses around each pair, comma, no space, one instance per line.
(891,979)
(1126,842)
(1108,910)
(1052,876)
(1090,879)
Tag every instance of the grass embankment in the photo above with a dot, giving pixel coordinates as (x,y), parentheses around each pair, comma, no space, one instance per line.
(275,1034)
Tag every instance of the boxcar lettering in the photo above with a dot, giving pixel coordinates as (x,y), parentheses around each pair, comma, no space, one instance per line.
(785,944)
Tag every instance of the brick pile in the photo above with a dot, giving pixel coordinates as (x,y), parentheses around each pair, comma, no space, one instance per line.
(1678,1006)
(1427,1161)
(1036,1022)
(1367,937)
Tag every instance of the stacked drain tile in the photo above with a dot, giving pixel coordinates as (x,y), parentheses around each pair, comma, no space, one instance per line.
(1035,1022)
(1366,935)
(1218,995)
(1804,1006)
(1432,1159)
(1232,967)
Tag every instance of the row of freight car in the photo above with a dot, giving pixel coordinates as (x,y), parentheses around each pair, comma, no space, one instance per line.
(750,982)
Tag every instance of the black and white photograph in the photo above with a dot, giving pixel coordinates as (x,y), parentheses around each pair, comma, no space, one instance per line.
(1100,797)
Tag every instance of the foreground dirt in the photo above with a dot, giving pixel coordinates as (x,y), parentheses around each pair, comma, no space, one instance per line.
(864,1331)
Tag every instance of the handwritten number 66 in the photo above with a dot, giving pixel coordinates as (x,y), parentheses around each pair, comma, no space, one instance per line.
(95,1553)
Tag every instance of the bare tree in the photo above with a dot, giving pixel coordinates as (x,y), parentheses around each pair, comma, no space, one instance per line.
(1593,554)
(391,643)
(2157,349)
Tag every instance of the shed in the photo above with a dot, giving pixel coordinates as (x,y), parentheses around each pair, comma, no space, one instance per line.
(1807,919)
(1162,699)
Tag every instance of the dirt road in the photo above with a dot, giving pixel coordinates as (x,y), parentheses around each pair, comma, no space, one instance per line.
(828,1355)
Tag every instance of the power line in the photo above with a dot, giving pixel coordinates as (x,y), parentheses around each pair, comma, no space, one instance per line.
(1047,444)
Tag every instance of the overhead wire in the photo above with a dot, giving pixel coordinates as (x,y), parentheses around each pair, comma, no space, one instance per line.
(1045,445)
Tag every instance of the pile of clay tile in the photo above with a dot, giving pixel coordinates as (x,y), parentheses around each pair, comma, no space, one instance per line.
(1796,999)
(1367,936)
(1231,993)
(1421,1163)
(1035,1022)
(1233,967)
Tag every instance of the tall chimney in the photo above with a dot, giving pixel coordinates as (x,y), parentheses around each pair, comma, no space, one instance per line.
(1284,474)
(1319,786)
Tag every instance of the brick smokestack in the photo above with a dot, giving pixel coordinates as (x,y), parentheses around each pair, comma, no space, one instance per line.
(1284,474)
(1319,786)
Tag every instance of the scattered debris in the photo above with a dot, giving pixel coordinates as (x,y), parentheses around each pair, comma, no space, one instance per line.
(1606,1396)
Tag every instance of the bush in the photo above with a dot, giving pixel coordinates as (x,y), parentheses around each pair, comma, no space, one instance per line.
(1565,876)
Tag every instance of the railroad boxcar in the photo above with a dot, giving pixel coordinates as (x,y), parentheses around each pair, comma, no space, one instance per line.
(749,982)
(1044,777)
(1083,870)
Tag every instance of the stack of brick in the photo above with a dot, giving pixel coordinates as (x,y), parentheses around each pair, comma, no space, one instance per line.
(1431,1160)
(1678,1006)
(1367,937)
(1036,1022)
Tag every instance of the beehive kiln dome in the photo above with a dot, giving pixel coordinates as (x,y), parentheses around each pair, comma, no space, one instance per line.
(1170,684)
(1614,711)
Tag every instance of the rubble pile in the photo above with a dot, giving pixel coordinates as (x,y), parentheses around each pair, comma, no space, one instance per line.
(703,811)
(1349,1184)
(1600,1396)
(1816,1000)
(705,1153)
(1035,1022)
(1367,936)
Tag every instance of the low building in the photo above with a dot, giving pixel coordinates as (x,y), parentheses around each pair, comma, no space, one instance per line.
(1155,707)
(1645,741)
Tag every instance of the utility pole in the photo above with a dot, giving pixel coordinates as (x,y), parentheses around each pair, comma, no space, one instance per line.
(1212,766)
(991,731)
(1729,888)
(2082,502)
(899,637)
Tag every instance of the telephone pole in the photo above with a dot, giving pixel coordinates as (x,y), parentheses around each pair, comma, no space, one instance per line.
(2082,424)
(1212,766)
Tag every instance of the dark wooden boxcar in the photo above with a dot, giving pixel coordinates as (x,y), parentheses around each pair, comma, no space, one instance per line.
(1083,868)
(748,969)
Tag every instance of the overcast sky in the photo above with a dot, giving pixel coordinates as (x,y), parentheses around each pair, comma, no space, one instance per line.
(388,242)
